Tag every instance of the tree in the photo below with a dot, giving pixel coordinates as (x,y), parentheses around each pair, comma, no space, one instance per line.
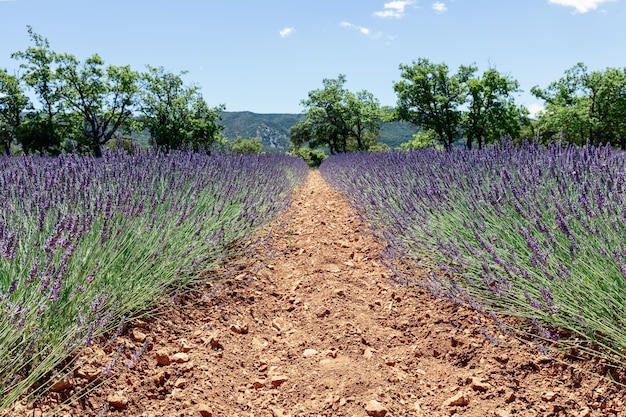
(42,131)
(366,116)
(249,146)
(176,115)
(313,157)
(338,119)
(421,140)
(452,106)
(430,98)
(103,96)
(491,112)
(13,103)
(585,106)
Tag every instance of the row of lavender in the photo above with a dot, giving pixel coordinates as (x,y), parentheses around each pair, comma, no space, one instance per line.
(534,232)
(86,243)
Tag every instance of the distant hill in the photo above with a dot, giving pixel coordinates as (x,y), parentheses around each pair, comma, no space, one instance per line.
(273,129)
(395,133)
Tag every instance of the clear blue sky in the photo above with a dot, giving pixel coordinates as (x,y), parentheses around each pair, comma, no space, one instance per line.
(266,55)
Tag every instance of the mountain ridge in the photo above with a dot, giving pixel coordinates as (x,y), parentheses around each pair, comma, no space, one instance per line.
(273,129)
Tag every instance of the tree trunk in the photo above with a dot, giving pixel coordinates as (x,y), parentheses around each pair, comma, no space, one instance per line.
(97,151)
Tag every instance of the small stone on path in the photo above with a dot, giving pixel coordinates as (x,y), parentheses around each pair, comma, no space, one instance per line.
(180,357)
(138,335)
(65,383)
(118,400)
(309,353)
(277,380)
(240,328)
(375,409)
(478,385)
(458,399)
(162,357)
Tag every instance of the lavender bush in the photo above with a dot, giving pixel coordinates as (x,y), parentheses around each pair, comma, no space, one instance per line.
(532,232)
(85,242)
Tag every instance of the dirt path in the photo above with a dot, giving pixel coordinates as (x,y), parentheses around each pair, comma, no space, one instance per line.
(314,328)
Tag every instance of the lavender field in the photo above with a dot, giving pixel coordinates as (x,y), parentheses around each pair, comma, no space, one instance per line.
(533,232)
(86,243)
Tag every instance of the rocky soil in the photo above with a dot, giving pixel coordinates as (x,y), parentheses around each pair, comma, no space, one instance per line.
(312,325)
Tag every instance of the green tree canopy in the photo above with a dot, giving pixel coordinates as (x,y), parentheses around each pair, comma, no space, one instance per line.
(104,96)
(585,105)
(313,157)
(176,114)
(491,112)
(249,146)
(42,130)
(430,98)
(421,140)
(13,103)
(83,105)
(339,119)
(452,106)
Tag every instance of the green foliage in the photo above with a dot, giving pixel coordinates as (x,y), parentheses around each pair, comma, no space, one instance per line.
(379,147)
(339,119)
(129,145)
(103,96)
(39,134)
(13,103)
(585,106)
(421,140)
(249,146)
(313,157)
(83,105)
(479,108)
(492,112)
(42,132)
(39,61)
(430,98)
(175,114)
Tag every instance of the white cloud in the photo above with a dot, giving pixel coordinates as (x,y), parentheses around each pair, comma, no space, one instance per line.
(363,30)
(394,9)
(581,6)
(439,7)
(286,32)
(535,109)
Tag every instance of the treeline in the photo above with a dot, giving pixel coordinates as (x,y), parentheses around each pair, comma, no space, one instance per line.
(83,105)
(465,109)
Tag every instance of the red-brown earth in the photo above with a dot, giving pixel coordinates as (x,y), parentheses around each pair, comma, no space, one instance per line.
(312,325)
